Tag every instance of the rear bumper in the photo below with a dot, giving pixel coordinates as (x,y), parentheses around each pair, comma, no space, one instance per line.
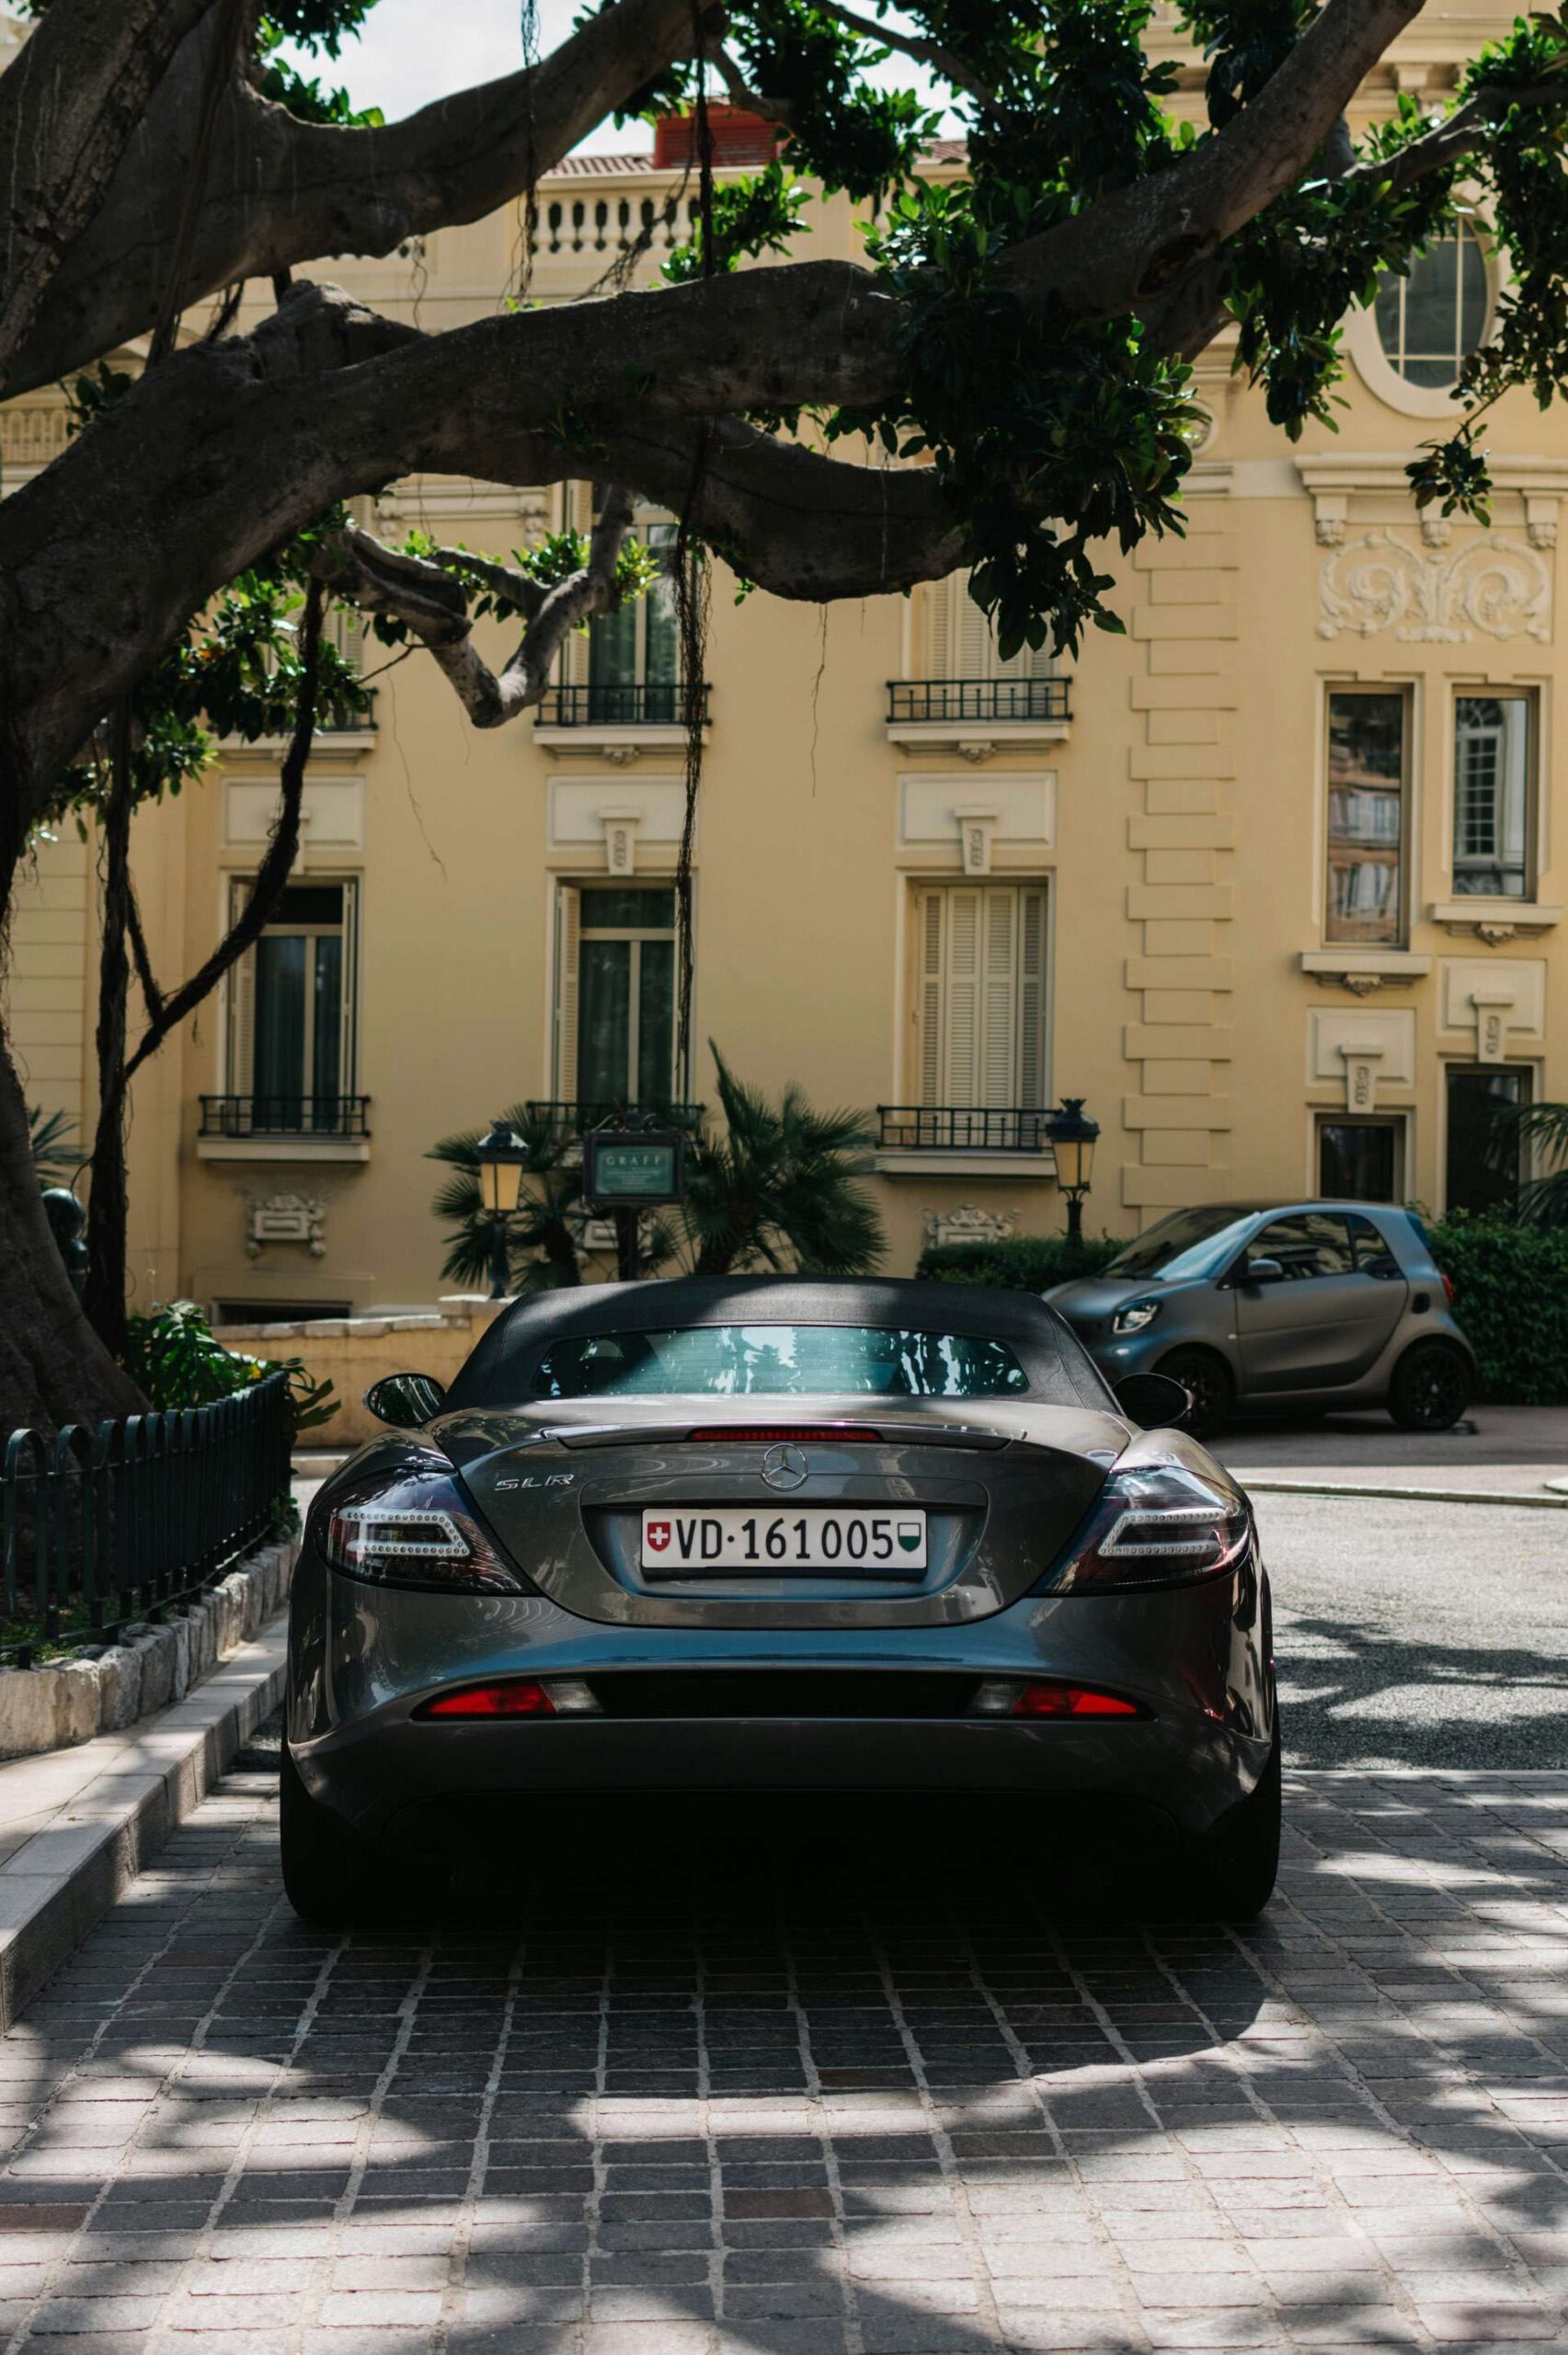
(363,1659)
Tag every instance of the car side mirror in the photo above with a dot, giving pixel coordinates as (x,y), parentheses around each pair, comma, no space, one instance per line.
(406,1400)
(1261,1271)
(1153,1400)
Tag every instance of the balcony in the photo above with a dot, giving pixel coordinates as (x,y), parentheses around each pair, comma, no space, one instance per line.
(284,1128)
(977,714)
(566,1118)
(617,719)
(967,1140)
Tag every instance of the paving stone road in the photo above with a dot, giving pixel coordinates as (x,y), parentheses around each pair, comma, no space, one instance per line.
(1419,1634)
(820,2092)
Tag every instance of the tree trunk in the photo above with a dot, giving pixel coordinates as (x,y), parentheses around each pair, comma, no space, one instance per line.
(53,1369)
(106,1208)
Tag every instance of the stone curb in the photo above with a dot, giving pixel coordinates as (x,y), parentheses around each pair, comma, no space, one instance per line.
(1531,1503)
(80,1826)
(69,1701)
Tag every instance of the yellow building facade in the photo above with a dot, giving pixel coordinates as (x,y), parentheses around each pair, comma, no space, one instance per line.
(1274,882)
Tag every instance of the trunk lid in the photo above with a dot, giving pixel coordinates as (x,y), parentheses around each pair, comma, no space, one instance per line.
(565,1489)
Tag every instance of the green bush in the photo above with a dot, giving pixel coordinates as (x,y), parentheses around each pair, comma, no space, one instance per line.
(176,1359)
(1026,1263)
(1511,1300)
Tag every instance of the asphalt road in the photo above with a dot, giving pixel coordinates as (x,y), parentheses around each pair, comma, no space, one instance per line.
(1419,1634)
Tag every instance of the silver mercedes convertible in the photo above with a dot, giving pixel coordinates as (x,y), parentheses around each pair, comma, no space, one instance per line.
(779,1534)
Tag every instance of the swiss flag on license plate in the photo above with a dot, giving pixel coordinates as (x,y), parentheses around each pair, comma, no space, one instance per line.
(657,1536)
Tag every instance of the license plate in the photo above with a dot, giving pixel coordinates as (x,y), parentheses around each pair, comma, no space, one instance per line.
(842,1538)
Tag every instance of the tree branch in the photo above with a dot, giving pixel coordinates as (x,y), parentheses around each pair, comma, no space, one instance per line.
(152,995)
(69,108)
(385,581)
(283,192)
(1447,142)
(272,875)
(1121,253)
(933,53)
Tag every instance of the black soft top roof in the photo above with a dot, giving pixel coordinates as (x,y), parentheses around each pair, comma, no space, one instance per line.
(500,1369)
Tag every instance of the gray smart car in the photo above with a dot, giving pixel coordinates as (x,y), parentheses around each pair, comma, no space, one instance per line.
(1272,1308)
(773,1535)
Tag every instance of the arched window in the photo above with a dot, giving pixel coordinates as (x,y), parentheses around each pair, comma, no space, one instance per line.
(1428,319)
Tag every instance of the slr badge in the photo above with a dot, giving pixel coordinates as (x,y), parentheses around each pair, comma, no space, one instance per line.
(785,1467)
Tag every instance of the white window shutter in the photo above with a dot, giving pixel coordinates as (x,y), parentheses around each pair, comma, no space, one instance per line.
(963,1043)
(568,929)
(999,1003)
(931,995)
(1031,999)
(242,1025)
(348,1061)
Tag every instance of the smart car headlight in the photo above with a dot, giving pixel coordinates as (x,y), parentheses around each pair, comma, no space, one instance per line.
(1156,1524)
(1135,1316)
(410,1525)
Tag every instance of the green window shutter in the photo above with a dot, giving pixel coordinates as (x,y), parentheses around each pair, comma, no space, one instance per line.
(1032,998)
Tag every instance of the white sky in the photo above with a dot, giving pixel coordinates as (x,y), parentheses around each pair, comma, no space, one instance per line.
(412,51)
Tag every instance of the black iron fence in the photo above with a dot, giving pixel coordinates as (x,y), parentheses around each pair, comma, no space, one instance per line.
(100,1527)
(653,703)
(920,702)
(285,1116)
(963,1128)
(569,1119)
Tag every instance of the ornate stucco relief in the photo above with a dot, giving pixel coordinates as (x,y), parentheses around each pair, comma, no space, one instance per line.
(1489,587)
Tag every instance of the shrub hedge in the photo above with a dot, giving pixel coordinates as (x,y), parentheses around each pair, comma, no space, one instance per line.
(1026,1263)
(1511,1299)
(1510,1291)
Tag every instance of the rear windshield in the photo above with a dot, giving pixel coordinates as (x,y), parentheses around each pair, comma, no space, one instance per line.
(780,1361)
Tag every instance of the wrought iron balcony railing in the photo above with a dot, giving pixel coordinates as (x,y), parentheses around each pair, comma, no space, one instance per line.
(963,1128)
(652,704)
(921,702)
(569,1119)
(285,1116)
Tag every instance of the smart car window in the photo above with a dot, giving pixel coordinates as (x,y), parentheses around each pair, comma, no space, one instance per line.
(729,1360)
(1184,1244)
(1307,1244)
(1373,1256)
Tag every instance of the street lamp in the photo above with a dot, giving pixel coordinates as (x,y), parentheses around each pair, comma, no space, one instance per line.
(502,1157)
(1072,1134)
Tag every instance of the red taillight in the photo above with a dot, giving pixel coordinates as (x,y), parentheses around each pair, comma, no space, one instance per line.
(1449,1290)
(517,1697)
(1071,1701)
(770,1434)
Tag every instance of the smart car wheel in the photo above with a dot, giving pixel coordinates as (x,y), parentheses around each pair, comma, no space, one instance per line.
(1430,1389)
(324,1876)
(1207,1381)
(1239,1863)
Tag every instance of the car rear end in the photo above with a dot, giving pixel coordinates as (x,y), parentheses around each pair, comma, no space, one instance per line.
(721,1595)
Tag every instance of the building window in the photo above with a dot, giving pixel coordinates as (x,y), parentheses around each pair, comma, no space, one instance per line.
(1360,1159)
(291,1044)
(632,662)
(1366,816)
(961,643)
(1494,781)
(980,1007)
(1480,1177)
(1431,318)
(615,995)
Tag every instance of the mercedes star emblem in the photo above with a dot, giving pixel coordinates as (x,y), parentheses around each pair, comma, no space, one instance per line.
(785,1467)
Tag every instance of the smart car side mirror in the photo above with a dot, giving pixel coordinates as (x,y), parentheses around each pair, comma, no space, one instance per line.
(1261,1271)
(406,1400)
(1153,1400)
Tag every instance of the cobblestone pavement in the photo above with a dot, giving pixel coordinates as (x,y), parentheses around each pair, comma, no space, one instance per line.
(1413,1633)
(821,2091)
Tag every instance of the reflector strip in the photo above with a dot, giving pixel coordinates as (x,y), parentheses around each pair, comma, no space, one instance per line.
(516,1697)
(1071,1701)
